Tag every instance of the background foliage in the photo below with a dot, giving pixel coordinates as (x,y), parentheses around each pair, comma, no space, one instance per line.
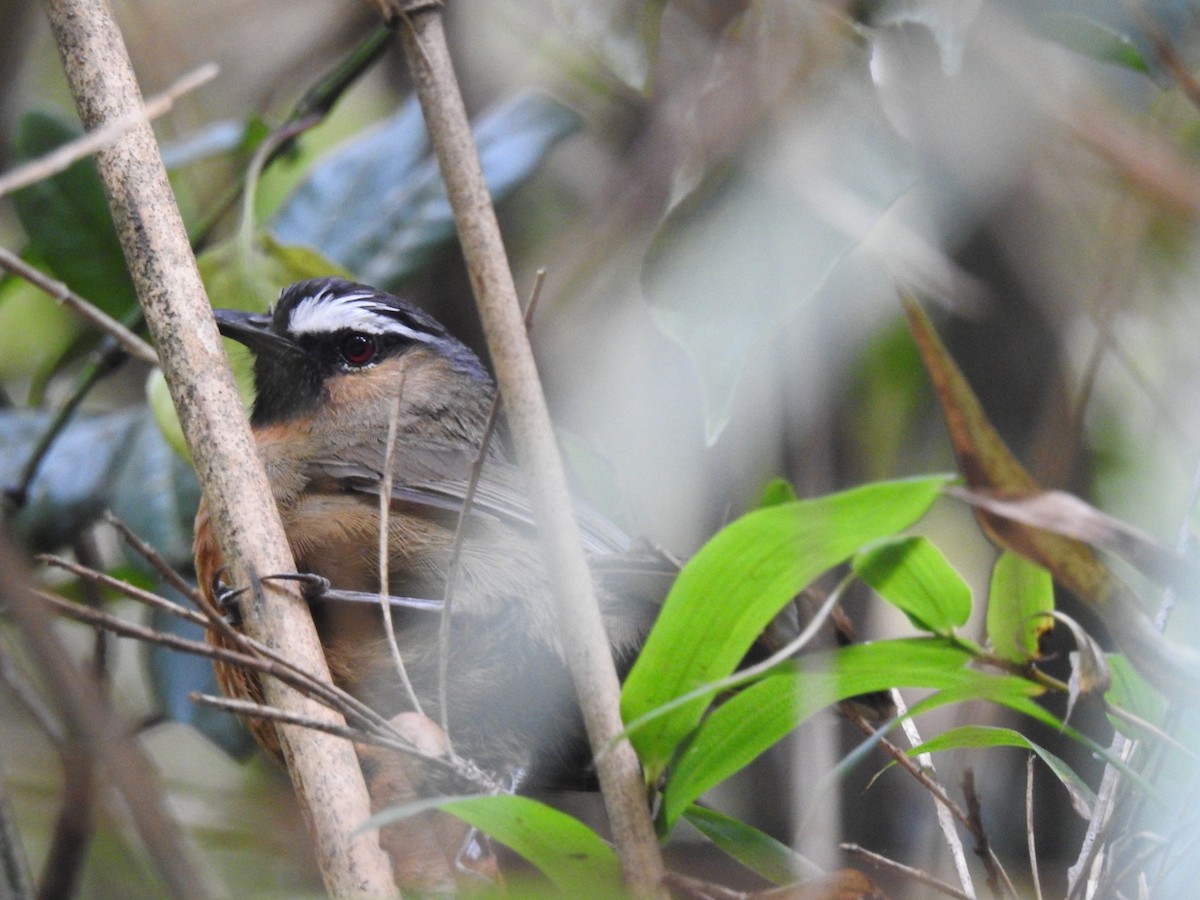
(727,197)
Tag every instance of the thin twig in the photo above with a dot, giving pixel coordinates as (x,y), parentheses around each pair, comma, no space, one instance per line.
(134,345)
(946,808)
(385,550)
(71,152)
(133,592)
(151,555)
(259,659)
(476,778)
(89,715)
(689,886)
(460,528)
(1029,830)
(908,871)
(983,847)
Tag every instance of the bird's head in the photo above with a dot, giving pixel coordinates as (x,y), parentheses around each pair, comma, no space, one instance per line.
(332,346)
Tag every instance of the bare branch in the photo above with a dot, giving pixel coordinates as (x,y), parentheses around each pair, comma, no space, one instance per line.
(1033,863)
(907,871)
(590,662)
(70,153)
(242,513)
(134,345)
(168,572)
(983,848)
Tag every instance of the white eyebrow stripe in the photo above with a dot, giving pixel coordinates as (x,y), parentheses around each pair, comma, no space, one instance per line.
(324,314)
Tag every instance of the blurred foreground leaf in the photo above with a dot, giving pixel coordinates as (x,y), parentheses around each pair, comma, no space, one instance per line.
(622,34)
(748,250)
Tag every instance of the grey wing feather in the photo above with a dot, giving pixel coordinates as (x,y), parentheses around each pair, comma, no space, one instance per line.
(438,477)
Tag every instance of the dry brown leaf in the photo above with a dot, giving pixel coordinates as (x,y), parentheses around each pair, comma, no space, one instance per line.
(990,469)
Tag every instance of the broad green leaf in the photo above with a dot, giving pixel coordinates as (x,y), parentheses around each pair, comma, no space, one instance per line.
(732,588)
(759,852)
(744,726)
(1021,592)
(67,220)
(569,853)
(1082,796)
(377,207)
(913,575)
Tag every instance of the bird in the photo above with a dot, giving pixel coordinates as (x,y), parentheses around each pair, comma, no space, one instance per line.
(334,362)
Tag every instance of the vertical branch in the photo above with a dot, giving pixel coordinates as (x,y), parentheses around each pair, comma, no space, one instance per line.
(324,769)
(582,629)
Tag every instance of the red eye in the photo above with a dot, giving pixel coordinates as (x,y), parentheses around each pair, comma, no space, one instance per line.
(357,349)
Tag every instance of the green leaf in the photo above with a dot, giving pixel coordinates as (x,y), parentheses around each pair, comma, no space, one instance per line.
(1088,36)
(759,852)
(744,726)
(377,207)
(1082,797)
(34,330)
(569,853)
(732,588)
(914,576)
(67,220)
(1021,591)
(1131,693)
(777,491)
